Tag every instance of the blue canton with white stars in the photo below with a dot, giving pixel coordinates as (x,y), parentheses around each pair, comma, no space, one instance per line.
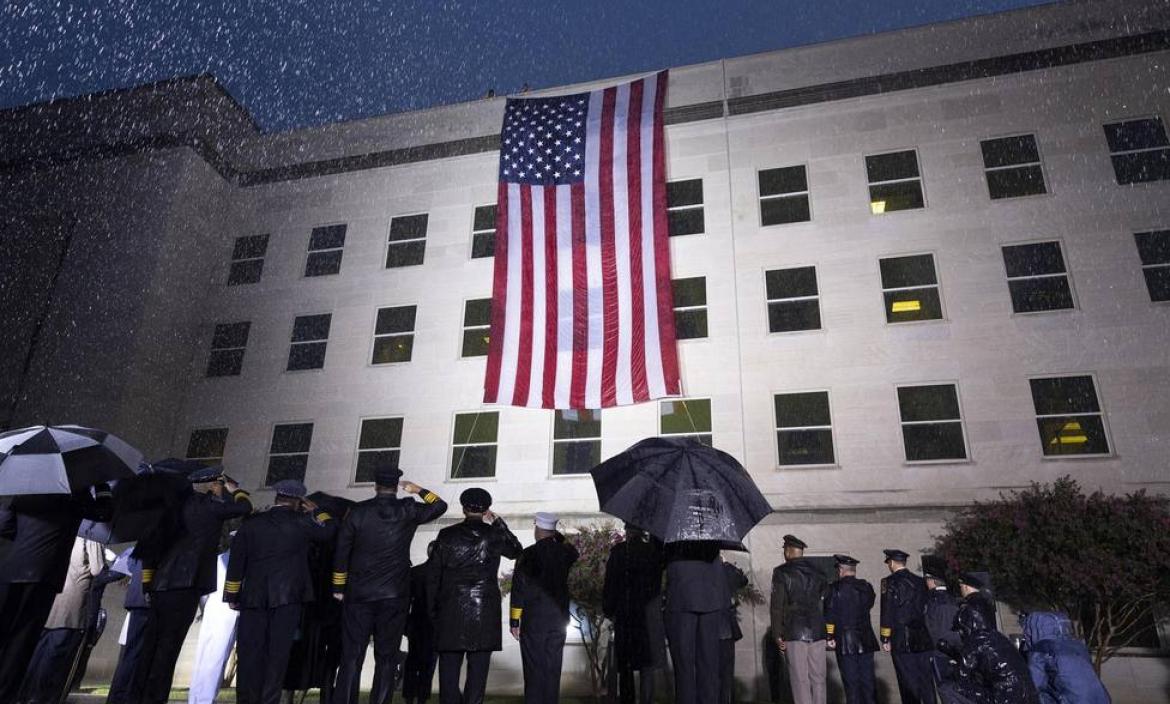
(543,140)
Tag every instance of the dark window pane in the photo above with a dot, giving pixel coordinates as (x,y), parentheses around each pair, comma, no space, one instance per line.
(689,292)
(245,272)
(286,467)
(473,461)
(691,416)
(323,263)
(406,254)
(1035,295)
(311,327)
(1153,247)
(208,442)
(397,319)
(291,437)
(1008,151)
(409,227)
(791,283)
(250,247)
(371,461)
(225,362)
(1033,259)
(1136,134)
(690,324)
(1067,394)
(1142,167)
(685,222)
(1158,283)
(891,167)
(485,218)
(380,432)
(934,441)
(576,424)
(789,179)
(483,244)
(781,211)
(476,342)
(330,237)
(392,348)
(476,427)
(802,409)
(805,447)
(477,312)
(1014,183)
(791,316)
(900,272)
(576,457)
(1073,435)
(913,304)
(684,193)
(230,335)
(934,402)
(306,355)
(890,197)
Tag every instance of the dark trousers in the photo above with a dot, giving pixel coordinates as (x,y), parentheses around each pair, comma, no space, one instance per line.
(122,684)
(169,618)
(726,671)
(52,664)
(385,620)
(24,608)
(263,642)
(942,667)
(857,677)
(915,680)
(694,652)
(419,671)
(542,653)
(645,688)
(450,663)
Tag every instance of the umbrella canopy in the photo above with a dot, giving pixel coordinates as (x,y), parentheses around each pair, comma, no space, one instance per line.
(140,501)
(60,459)
(680,489)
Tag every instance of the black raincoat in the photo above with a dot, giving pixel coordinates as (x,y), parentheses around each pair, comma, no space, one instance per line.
(990,668)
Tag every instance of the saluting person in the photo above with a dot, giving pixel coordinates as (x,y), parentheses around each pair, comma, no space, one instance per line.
(847,608)
(540,609)
(903,629)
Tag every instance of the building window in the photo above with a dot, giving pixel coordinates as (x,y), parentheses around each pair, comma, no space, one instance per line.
(1012,167)
(247,260)
(685,418)
(1154,250)
(894,182)
(477,326)
(288,455)
(690,307)
(1139,150)
(793,299)
(408,241)
(1069,416)
(207,445)
(473,449)
(804,429)
(379,443)
(576,441)
(393,335)
(309,337)
(784,196)
(483,232)
(1037,277)
(325,248)
(932,426)
(227,349)
(910,288)
(684,207)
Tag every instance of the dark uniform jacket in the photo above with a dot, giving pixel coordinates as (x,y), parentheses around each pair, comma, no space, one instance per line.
(695,582)
(372,559)
(797,605)
(978,601)
(632,599)
(190,561)
(990,668)
(540,585)
(419,630)
(465,587)
(42,529)
(131,566)
(847,608)
(268,565)
(736,580)
(941,608)
(903,617)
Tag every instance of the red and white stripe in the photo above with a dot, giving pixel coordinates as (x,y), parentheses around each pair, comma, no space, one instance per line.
(582,313)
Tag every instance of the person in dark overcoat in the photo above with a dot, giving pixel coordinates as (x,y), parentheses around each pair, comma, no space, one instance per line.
(696,611)
(632,600)
(903,629)
(847,608)
(421,658)
(990,669)
(467,600)
(731,634)
(941,608)
(798,621)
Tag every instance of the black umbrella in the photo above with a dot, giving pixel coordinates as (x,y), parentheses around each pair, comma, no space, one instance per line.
(680,489)
(60,459)
(139,502)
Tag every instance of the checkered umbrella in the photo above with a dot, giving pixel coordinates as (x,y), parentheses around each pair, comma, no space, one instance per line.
(60,459)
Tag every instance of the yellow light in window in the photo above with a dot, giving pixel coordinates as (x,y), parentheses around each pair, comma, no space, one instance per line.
(905,306)
(877,207)
(1071,433)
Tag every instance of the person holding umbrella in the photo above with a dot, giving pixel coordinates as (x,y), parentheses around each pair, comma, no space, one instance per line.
(632,599)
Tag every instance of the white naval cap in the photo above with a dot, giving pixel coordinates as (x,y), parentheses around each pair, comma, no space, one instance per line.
(547,521)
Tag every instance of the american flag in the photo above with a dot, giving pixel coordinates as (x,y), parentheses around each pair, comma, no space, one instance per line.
(582,313)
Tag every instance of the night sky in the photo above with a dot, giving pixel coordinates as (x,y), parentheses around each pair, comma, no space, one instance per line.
(294,63)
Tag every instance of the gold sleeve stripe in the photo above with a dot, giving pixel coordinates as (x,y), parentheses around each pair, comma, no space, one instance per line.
(340,577)
(886,632)
(430,497)
(324,517)
(231,587)
(515,612)
(147,575)
(240,495)
(830,628)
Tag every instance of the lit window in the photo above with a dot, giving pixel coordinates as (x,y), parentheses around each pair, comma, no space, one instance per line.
(784,196)
(310,336)
(685,418)
(483,232)
(684,207)
(393,335)
(576,441)
(247,260)
(477,327)
(379,443)
(288,455)
(1012,167)
(793,299)
(690,307)
(1037,278)
(326,245)
(804,430)
(473,448)
(894,182)
(1154,250)
(932,426)
(1069,416)
(1139,150)
(227,349)
(408,241)
(910,288)
(207,445)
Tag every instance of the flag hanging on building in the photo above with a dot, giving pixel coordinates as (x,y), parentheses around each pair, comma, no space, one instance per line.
(582,313)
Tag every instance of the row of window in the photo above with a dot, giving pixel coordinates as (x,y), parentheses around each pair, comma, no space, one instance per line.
(1139,149)
(1068,414)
